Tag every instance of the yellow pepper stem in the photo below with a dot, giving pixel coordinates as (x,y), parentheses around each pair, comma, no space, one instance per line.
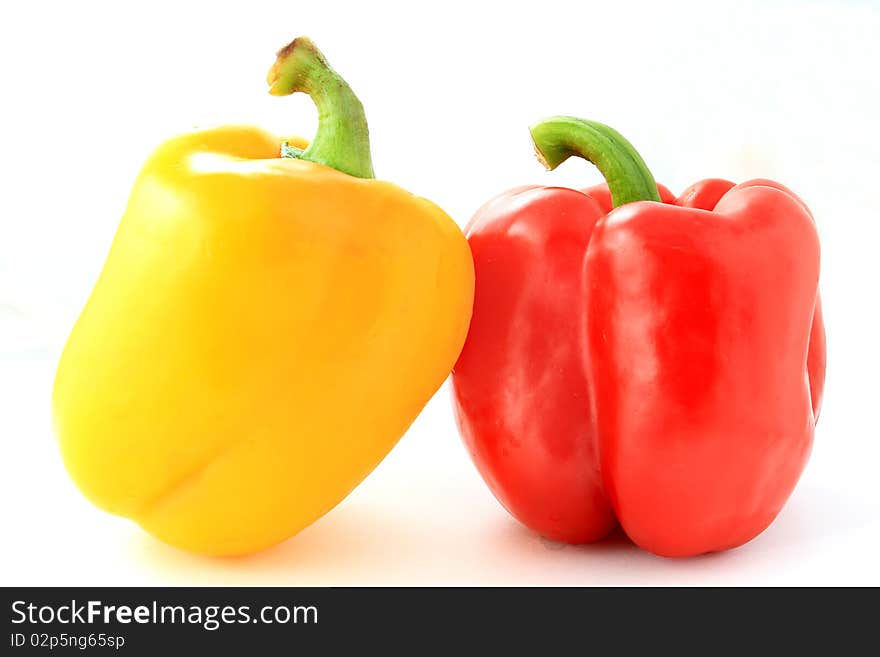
(342,140)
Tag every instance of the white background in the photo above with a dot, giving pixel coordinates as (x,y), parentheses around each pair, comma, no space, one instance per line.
(786,90)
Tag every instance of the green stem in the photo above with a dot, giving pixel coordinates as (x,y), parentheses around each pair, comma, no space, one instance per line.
(342,140)
(629,179)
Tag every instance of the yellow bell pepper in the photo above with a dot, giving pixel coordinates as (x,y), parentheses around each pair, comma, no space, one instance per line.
(264,329)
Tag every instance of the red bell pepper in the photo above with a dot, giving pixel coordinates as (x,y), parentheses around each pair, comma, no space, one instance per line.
(639,358)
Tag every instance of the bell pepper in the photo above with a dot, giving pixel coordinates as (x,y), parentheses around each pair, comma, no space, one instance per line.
(264,330)
(641,359)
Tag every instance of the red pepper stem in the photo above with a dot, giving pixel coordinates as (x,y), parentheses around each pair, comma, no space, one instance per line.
(342,140)
(628,177)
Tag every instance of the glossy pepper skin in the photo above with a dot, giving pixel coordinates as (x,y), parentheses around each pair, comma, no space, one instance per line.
(263,332)
(520,391)
(623,365)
